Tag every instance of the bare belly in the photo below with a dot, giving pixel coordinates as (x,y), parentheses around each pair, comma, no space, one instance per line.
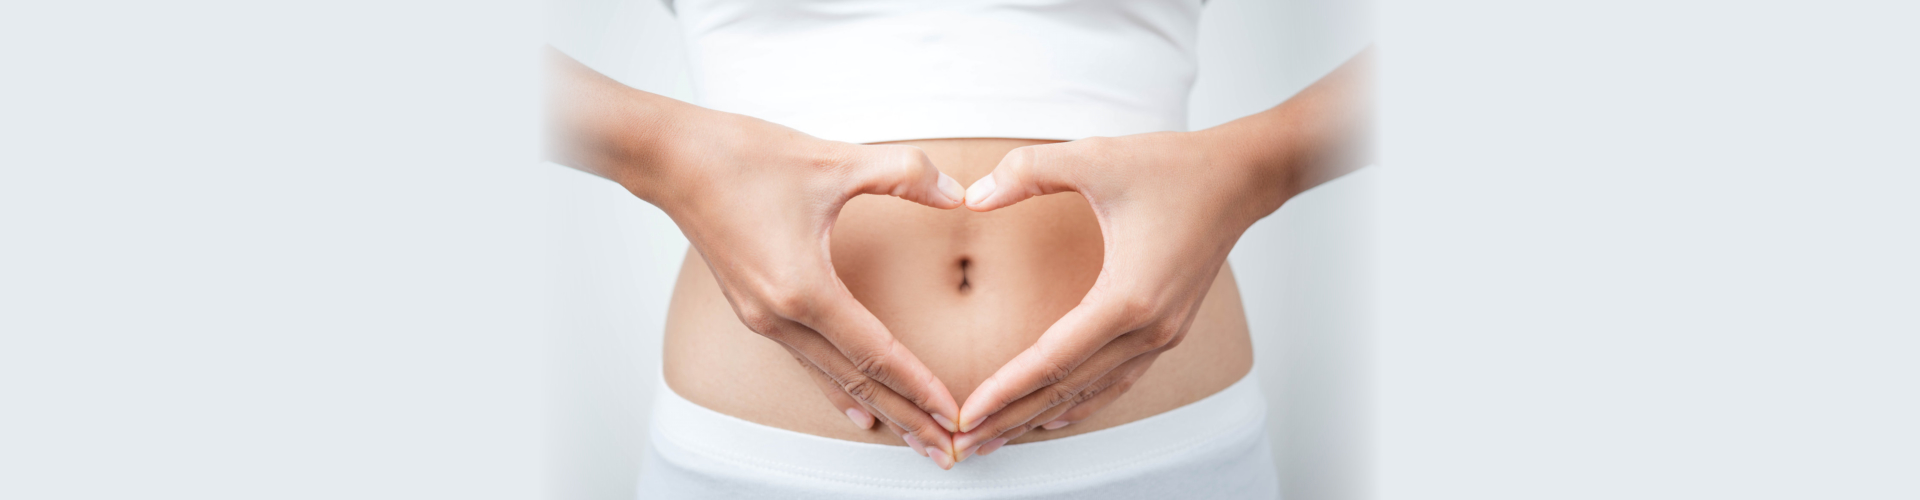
(965,291)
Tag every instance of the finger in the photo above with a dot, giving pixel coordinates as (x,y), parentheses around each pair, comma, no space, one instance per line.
(918,428)
(994,444)
(1096,396)
(1073,339)
(989,446)
(854,411)
(1090,400)
(983,443)
(1024,173)
(1093,400)
(913,442)
(906,172)
(862,416)
(1046,404)
(874,353)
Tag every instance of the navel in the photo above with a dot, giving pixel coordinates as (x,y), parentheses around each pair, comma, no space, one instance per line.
(965,283)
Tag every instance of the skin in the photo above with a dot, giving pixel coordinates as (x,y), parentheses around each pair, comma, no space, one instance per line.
(1076,266)
(1170,205)
(1026,266)
(757,201)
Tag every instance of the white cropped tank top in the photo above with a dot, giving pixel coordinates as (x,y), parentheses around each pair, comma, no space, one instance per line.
(883,70)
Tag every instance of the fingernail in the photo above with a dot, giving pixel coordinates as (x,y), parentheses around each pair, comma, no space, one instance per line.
(990,446)
(916,444)
(860,418)
(945,422)
(939,457)
(951,189)
(980,190)
(968,426)
(1055,424)
(970,451)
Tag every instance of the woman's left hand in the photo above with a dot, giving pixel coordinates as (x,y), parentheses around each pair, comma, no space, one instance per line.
(1170,207)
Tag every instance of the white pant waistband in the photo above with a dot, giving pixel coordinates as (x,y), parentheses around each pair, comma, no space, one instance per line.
(1217,442)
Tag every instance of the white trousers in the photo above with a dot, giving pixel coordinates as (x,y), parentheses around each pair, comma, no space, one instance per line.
(1215,448)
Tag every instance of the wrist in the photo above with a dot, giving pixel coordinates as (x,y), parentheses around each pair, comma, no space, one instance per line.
(651,145)
(1255,164)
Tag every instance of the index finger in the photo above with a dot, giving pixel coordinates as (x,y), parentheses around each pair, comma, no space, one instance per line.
(873,351)
(1052,359)
(918,428)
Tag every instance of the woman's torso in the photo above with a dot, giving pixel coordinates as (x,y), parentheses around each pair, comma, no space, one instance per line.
(964,291)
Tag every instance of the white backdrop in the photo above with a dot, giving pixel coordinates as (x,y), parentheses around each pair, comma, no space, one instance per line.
(1300,271)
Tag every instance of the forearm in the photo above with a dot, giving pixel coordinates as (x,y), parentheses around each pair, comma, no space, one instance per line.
(600,126)
(1319,134)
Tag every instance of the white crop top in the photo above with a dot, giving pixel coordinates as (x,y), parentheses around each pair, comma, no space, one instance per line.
(883,70)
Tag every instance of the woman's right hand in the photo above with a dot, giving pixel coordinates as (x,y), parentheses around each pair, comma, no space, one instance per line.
(758,201)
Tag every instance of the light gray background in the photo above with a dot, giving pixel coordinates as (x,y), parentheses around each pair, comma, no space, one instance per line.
(270,251)
(1299,270)
(1648,249)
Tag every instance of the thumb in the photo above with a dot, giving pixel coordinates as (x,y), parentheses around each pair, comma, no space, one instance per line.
(907,172)
(1024,173)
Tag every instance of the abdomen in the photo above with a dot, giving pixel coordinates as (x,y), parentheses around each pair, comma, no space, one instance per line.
(964,291)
